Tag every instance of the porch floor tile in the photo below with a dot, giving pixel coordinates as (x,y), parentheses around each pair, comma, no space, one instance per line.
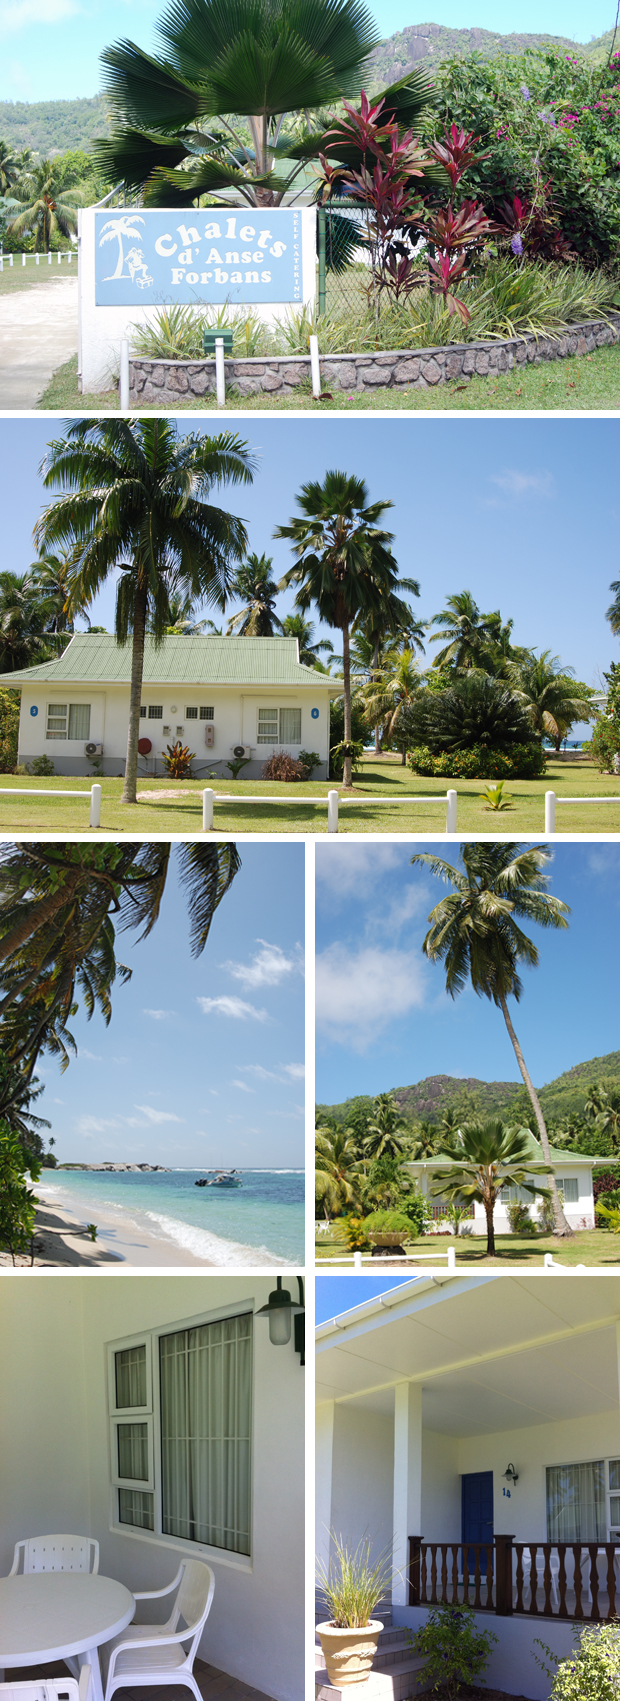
(214,1685)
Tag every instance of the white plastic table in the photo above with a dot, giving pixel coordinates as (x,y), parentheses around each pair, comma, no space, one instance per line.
(51,1614)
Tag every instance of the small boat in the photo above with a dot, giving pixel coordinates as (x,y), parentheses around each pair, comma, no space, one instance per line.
(222,1178)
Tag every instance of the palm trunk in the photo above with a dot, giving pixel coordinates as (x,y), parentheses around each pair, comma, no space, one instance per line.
(137,671)
(346,669)
(375,670)
(562,1228)
(489,1206)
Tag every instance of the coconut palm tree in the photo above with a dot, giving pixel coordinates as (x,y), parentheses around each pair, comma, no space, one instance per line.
(389,696)
(23,638)
(386,1132)
(135,500)
(47,585)
(613,612)
(254,584)
(344,564)
(9,167)
(294,626)
(469,633)
(338,1172)
(475,932)
(209,116)
(484,1157)
(548,692)
(51,211)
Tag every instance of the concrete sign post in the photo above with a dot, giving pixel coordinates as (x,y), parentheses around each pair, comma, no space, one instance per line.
(133,261)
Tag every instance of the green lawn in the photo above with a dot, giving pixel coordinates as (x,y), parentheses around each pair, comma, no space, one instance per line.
(589,1247)
(581,383)
(16,278)
(177,807)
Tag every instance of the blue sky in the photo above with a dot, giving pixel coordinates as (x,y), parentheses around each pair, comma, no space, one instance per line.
(49,49)
(383,1017)
(334,1294)
(524,513)
(202,1063)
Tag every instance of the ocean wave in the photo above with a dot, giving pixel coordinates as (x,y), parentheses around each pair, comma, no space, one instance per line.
(213,1246)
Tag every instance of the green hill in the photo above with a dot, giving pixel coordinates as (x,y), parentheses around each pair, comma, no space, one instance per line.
(52,126)
(430,1098)
(400,52)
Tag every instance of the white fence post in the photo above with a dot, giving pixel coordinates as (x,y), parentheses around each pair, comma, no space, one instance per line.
(95,806)
(451,1258)
(451,812)
(220,380)
(550,812)
(207,809)
(315,367)
(332,812)
(124,377)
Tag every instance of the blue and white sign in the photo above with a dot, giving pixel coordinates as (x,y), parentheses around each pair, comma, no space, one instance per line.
(315,714)
(34,710)
(240,256)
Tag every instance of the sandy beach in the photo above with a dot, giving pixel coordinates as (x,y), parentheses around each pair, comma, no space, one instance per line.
(61,1241)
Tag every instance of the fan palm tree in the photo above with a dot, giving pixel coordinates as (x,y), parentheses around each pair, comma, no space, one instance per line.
(338,1173)
(51,211)
(344,564)
(475,932)
(254,584)
(469,633)
(484,1157)
(389,695)
(135,500)
(209,117)
(386,1132)
(294,626)
(547,691)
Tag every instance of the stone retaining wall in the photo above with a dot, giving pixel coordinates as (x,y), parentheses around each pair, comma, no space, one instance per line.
(166,381)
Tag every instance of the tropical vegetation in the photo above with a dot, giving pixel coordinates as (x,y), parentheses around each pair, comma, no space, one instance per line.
(484,1157)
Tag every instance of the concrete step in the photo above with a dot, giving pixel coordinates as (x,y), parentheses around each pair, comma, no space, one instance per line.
(397,1684)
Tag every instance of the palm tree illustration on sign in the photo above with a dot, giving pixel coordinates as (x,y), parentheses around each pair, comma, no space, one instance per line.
(117,229)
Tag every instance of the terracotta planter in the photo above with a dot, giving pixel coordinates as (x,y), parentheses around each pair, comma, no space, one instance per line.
(349,1653)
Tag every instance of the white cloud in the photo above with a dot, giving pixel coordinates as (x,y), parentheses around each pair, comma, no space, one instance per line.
(342,867)
(295,1070)
(243,1086)
(18,14)
(158,1115)
(91,1056)
(91,1125)
(267,967)
(159,1015)
(516,483)
(233,1007)
(361,992)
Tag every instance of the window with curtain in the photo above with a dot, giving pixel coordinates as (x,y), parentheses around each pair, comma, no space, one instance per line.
(206,1387)
(290,726)
(576,1502)
(569,1186)
(79,720)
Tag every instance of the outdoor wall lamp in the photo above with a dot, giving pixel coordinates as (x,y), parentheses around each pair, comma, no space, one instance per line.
(511,1475)
(280,1309)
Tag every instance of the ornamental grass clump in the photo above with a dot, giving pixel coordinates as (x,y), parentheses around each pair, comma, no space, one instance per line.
(354,1582)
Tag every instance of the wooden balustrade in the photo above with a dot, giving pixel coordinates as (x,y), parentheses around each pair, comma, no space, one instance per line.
(505,1576)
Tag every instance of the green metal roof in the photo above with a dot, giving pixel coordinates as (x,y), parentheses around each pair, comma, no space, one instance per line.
(98,660)
(534,1154)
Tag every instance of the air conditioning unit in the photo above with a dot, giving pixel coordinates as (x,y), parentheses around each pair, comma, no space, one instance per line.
(93,750)
(242,750)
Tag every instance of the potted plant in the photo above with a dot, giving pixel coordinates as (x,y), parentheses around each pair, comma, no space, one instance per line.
(352,1585)
(389,1230)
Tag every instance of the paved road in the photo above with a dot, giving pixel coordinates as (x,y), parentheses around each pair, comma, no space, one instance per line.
(38,332)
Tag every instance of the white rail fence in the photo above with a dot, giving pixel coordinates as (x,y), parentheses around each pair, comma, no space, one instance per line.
(332,800)
(48,259)
(551,799)
(357,1259)
(94,798)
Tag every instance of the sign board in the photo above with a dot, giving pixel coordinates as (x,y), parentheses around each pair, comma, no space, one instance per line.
(134,260)
(242,257)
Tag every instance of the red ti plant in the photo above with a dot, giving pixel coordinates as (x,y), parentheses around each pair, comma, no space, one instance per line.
(382,185)
(453,235)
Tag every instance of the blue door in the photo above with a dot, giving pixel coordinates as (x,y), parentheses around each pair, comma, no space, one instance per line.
(477,1513)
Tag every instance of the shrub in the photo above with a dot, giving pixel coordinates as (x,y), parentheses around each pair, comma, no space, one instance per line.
(9,730)
(178,761)
(477,711)
(606,1183)
(519,762)
(456,1651)
(389,1222)
(414,1207)
(283,767)
(609,1199)
(592,1672)
(604,745)
(42,766)
(519,1218)
(17,1201)
(354,1233)
(310,760)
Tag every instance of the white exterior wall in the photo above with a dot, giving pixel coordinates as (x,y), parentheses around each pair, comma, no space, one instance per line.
(235,722)
(362,1476)
(102,329)
(520,1510)
(579,1215)
(54,1456)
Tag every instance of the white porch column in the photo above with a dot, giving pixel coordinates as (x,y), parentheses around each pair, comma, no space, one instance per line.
(618,1355)
(407,1479)
(324,1454)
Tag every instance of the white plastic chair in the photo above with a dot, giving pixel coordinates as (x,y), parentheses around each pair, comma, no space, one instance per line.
(154,1653)
(554,1565)
(56,1553)
(49,1689)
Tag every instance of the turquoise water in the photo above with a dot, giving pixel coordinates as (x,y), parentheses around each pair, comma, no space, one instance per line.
(260,1222)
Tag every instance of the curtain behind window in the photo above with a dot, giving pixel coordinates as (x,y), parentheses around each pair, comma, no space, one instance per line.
(576,1503)
(79,720)
(206,1393)
(290,726)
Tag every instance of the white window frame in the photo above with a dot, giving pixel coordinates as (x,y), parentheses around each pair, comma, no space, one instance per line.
(561,1185)
(57,711)
(276,719)
(151,1338)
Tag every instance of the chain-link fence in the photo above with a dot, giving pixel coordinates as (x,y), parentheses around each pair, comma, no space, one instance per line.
(344,270)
